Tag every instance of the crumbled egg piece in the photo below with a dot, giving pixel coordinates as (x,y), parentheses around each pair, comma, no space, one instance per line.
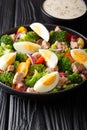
(80,56)
(41,30)
(26,47)
(7,60)
(50,57)
(47,82)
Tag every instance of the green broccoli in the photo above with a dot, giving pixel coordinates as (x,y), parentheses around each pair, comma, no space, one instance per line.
(65,64)
(4,49)
(29,36)
(39,67)
(53,46)
(66,86)
(75,78)
(31,80)
(6,39)
(21,57)
(7,78)
(59,55)
(85,50)
(54,90)
(57,36)
(16,63)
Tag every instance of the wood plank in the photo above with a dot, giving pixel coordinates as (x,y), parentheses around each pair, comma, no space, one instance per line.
(3,110)
(7,8)
(6,22)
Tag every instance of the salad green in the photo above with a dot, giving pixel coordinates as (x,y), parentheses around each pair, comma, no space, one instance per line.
(31,69)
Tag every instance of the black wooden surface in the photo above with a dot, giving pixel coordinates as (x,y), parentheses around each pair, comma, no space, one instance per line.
(67,113)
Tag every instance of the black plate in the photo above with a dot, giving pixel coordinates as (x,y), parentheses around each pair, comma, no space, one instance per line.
(46,96)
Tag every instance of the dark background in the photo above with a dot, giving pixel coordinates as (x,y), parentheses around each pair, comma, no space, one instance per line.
(66,112)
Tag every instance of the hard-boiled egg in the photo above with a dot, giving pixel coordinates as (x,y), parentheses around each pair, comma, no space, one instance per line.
(80,56)
(7,60)
(50,57)
(41,30)
(47,82)
(26,47)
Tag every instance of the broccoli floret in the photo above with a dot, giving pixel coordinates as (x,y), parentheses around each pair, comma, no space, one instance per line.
(53,46)
(29,36)
(4,49)
(36,71)
(39,67)
(66,86)
(6,39)
(85,50)
(21,57)
(75,78)
(54,90)
(7,78)
(65,64)
(31,80)
(59,55)
(16,63)
(57,36)
(32,36)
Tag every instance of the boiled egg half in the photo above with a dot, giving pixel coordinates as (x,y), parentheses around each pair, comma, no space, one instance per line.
(7,60)
(47,82)
(50,57)
(80,56)
(26,47)
(41,30)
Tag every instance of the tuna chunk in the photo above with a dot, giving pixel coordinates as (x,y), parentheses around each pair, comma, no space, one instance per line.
(61,45)
(77,67)
(45,45)
(30,90)
(10,68)
(51,69)
(62,80)
(18,78)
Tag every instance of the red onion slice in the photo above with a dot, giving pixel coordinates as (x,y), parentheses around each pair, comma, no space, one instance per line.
(31,58)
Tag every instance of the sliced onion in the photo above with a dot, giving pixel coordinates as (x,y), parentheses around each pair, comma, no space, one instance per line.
(62,74)
(31,58)
(16,36)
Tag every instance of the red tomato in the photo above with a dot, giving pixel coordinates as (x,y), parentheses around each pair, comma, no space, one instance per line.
(67,54)
(20,86)
(70,37)
(40,60)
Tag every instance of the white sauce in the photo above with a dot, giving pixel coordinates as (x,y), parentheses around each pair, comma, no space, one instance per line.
(65,9)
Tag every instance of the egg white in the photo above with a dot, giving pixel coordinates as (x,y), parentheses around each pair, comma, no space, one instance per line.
(26,47)
(41,30)
(80,56)
(7,60)
(47,82)
(50,57)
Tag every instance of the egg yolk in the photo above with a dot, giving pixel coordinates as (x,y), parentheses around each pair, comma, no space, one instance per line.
(31,47)
(46,54)
(79,56)
(9,60)
(48,80)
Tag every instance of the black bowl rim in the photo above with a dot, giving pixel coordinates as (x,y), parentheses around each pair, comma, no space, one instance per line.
(61,19)
(12,91)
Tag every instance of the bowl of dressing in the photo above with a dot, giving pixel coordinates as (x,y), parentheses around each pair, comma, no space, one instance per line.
(68,13)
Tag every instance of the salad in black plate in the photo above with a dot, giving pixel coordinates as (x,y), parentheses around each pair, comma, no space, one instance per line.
(35,59)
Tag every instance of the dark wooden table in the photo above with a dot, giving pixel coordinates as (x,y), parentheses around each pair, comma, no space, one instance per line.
(69,112)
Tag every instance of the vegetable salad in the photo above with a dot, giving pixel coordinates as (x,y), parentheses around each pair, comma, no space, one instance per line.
(45,61)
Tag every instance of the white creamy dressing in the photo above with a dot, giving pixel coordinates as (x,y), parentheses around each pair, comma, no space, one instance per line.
(65,9)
